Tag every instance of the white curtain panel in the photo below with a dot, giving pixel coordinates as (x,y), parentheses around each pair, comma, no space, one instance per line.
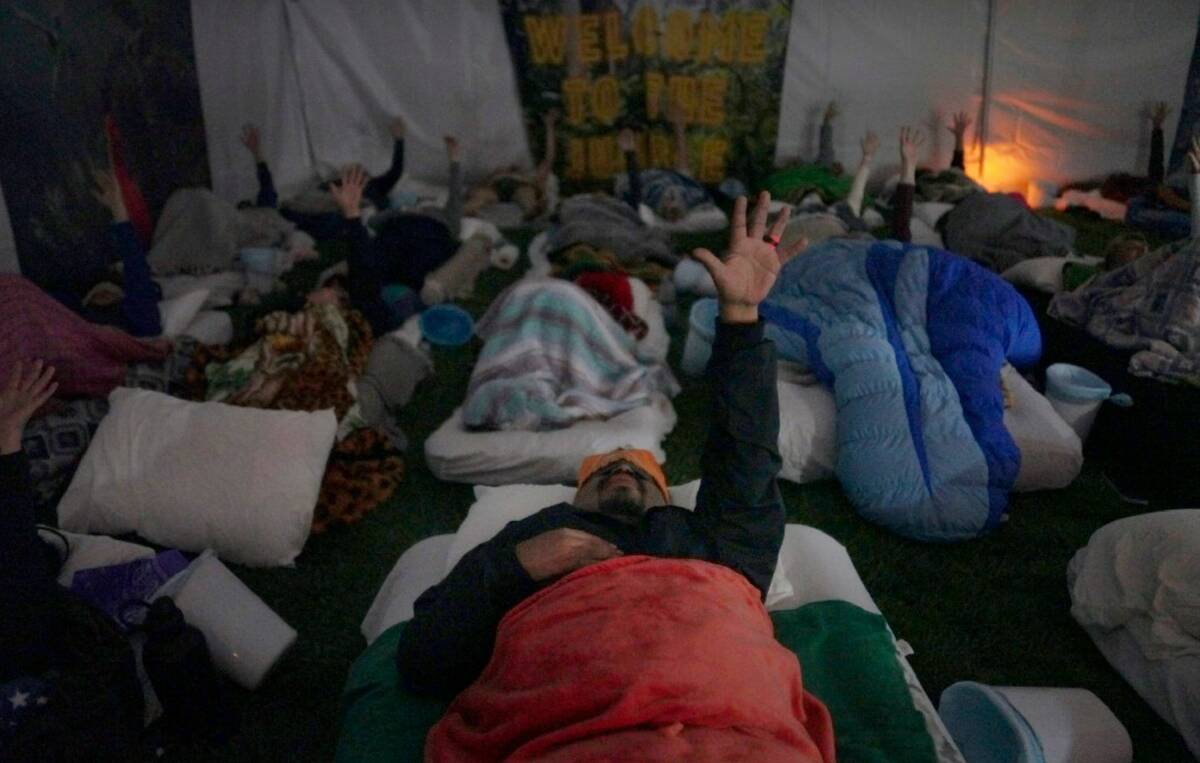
(246,65)
(1071,80)
(443,66)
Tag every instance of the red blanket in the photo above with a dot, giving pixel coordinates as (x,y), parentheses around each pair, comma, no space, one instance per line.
(89,360)
(638,658)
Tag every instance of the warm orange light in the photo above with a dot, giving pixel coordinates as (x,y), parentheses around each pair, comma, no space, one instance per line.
(1005,168)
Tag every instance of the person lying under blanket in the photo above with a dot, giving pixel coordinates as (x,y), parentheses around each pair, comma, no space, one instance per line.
(561,635)
(67,675)
(824,176)
(315,211)
(528,190)
(670,193)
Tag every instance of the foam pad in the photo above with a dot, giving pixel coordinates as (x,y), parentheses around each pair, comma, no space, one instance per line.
(457,454)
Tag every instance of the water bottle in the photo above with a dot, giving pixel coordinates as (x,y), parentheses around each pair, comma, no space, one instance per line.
(180,668)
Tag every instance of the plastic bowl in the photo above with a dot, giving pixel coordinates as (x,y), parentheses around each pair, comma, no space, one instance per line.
(447,325)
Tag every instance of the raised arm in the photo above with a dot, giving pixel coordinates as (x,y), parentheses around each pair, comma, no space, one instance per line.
(683,164)
(858,188)
(902,200)
(26,389)
(139,305)
(267,196)
(1158,115)
(454,198)
(377,189)
(550,155)
(363,281)
(739,506)
(1194,185)
(627,142)
(825,155)
(958,128)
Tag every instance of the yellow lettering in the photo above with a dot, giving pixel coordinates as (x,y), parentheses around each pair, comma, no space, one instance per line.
(588,39)
(606,99)
(613,42)
(753,45)
(576,159)
(712,99)
(656,84)
(575,91)
(712,160)
(660,149)
(645,32)
(547,39)
(603,156)
(679,35)
(681,90)
(727,44)
(708,37)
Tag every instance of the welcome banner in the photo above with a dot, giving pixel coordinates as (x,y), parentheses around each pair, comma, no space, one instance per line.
(609,64)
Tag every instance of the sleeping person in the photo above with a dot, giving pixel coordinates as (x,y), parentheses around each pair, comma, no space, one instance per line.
(670,193)
(558,635)
(316,211)
(68,680)
(529,191)
(406,248)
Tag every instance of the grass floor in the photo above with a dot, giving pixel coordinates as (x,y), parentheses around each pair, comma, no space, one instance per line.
(994,610)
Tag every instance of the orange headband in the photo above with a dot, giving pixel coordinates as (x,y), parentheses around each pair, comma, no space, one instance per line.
(642,459)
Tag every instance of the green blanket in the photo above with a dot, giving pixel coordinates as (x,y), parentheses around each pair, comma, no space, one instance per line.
(793,184)
(847,658)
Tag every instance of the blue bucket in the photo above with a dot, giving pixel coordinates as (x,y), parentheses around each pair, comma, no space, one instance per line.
(702,327)
(447,325)
(1077,394)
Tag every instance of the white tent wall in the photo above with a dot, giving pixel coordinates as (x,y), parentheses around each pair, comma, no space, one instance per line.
(443,66)
(323,79)
(1071,80)
(247,73)
(908,62)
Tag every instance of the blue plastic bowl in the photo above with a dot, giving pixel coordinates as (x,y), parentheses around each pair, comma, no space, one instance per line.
(447,325)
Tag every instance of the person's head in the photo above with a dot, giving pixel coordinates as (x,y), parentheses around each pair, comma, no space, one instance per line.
(331,292)
(1124,249)
(623,483)
(672,207)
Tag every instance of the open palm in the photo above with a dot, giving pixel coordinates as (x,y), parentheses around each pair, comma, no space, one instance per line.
(746,275)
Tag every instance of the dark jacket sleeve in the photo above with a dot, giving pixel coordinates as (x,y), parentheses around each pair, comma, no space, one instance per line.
(449,641)
(1156,171)
(267,195)
(377,189)
(363,280)
(139,307)
(633,196)
(23,560)
(739,506)
(902,209)
(957,160)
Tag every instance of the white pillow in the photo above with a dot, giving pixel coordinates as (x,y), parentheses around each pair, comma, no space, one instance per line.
(1041,273)
(241,481)
(495,507)
(1142,573)
(1051,453)
(211,327)
(177,313)
(551,456)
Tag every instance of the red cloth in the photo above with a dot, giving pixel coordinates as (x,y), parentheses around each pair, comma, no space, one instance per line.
(90,360)
(135,204)
(638,658)
(613,292)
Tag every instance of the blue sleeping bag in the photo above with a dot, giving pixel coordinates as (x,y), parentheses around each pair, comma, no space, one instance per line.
(911,340)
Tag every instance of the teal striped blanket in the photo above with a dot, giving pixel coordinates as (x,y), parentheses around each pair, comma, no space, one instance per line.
(553,356)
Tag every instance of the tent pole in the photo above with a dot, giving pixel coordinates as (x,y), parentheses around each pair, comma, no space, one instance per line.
(982,133)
